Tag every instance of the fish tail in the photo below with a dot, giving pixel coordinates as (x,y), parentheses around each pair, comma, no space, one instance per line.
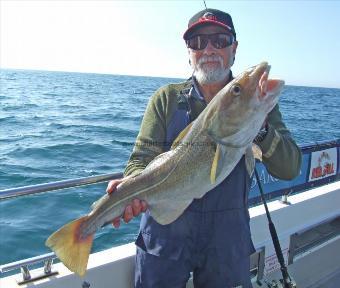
(70,248)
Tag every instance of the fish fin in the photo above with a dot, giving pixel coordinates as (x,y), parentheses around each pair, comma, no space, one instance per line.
(70,249)
(250,160)
(257,152)
(180,136)
(165,212)
(214,166)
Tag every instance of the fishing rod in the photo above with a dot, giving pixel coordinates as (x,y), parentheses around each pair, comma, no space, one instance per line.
(287,281)
(205,5)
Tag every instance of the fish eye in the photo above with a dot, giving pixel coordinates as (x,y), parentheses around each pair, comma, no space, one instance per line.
(236,89)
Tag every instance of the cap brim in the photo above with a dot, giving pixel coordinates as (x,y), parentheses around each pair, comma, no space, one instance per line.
(205,22)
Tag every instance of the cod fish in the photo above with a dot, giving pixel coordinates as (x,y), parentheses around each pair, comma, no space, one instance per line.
(201,157)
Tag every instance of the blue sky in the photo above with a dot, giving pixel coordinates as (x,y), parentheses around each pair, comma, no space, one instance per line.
(300,39)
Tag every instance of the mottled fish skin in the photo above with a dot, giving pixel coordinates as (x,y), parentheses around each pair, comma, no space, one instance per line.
(170,182)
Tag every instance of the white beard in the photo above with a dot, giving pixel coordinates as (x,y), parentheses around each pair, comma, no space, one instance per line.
(208,75)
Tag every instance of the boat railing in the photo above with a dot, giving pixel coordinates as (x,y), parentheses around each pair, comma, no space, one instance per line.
(23,265)
(52,186)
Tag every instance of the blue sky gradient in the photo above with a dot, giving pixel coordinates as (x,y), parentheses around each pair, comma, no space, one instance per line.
(300,39)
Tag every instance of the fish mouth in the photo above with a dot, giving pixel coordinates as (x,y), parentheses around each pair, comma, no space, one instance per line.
(260,71)
(266,86)
(255,76)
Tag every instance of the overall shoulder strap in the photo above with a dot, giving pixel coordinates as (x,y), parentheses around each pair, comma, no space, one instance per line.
(183,100)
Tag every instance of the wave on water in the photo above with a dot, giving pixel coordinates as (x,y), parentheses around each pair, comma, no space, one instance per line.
(20,107)
(123,143)
(8,119)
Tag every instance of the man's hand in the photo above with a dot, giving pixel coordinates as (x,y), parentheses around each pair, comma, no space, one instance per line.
(134,209)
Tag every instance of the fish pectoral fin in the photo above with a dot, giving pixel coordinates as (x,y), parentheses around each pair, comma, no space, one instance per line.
(215,164)
(250,158)
(256,151)
(70,249)
(165,211)
(181,135)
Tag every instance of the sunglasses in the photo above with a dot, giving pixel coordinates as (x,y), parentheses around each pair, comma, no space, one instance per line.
(218,40)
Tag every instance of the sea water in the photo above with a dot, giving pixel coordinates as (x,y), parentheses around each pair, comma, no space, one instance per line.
(56,126)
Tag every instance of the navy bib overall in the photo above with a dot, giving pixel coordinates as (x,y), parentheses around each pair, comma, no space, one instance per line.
(211,238)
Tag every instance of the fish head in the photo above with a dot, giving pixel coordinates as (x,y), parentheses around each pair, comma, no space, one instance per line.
(237,112)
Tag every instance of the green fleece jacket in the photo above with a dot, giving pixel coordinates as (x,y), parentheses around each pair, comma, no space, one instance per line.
(281,156)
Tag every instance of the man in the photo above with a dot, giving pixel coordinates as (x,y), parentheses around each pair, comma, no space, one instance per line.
(212,237)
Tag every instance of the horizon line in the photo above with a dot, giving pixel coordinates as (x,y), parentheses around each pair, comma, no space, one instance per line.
(133,75)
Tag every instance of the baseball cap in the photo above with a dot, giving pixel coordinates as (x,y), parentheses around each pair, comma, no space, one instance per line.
(212,17)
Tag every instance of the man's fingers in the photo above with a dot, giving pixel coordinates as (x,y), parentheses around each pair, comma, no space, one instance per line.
(111,187)
(116,222)
(144,206)
(136,207)
(128,214)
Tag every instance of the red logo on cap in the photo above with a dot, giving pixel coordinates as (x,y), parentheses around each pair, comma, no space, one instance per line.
(208,16)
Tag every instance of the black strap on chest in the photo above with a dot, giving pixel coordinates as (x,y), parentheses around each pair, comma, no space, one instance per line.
(184,101)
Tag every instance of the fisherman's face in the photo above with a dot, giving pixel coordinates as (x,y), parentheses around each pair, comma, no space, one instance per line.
(212,65)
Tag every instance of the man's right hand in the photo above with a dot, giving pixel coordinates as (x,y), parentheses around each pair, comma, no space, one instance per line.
(134,209)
